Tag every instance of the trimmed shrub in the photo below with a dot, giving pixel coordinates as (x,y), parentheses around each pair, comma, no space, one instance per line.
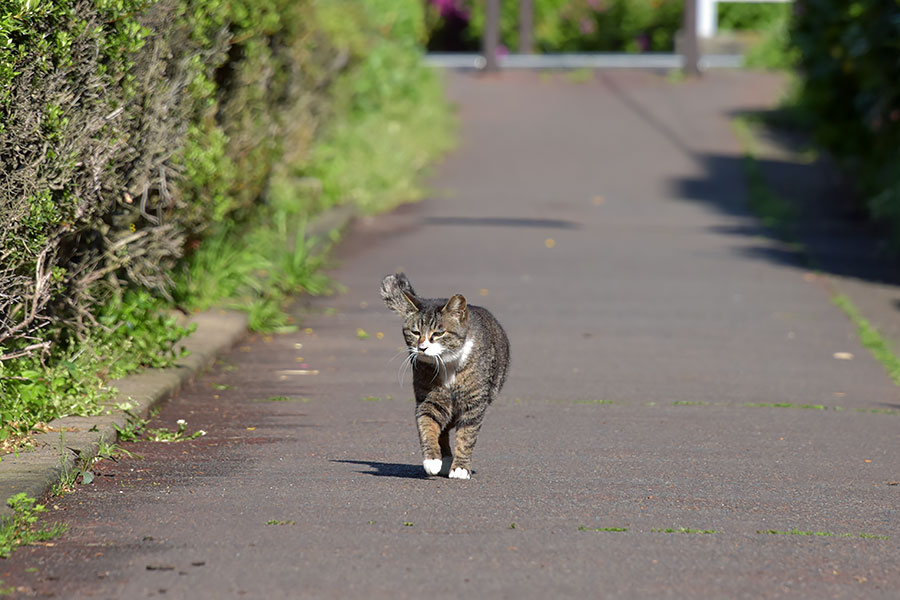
(137,136)
(135,125)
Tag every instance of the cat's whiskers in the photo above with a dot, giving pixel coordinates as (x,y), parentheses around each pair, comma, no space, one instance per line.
(437,366)
(405,351)
(408,363)
(441,367)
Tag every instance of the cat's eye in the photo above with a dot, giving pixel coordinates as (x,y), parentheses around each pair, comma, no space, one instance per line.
(414,331)
(436,334)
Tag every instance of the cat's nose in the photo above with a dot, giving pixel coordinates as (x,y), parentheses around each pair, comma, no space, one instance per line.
(422,347)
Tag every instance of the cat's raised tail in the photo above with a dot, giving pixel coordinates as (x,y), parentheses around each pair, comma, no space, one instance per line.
(398,294)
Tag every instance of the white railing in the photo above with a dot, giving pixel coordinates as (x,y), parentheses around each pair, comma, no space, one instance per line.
(707,15)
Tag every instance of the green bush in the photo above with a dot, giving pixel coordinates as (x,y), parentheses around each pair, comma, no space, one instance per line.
(132,332)
(774,49)
(751,15)
(848,61)
(140,138)
(396,119)
(391,121)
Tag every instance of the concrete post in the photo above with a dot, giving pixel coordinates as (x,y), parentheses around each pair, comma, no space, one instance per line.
(526,26)
(491,38)
(689,47)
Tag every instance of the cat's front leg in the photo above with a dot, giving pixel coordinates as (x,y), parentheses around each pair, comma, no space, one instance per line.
(466,436)
(446,453)
(432,417)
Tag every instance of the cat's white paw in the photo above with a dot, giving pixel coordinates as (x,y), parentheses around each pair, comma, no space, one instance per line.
(432,465)
(446,463)
(458,473)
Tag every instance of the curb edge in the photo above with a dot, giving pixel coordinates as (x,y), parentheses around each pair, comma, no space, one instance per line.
(35,471)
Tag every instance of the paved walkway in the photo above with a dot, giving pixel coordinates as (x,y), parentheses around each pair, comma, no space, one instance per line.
(674,393)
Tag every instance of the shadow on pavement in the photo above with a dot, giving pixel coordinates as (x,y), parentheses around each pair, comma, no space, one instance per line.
(383,469)
(829,219)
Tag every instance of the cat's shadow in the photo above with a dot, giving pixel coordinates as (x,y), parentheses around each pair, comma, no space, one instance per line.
(383,469)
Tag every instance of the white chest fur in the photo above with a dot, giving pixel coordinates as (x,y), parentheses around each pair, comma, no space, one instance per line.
(455,362)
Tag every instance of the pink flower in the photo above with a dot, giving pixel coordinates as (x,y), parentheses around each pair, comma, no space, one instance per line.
(451,8)
(643,42)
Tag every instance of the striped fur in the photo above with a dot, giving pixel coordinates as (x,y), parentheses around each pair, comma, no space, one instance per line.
(460,356)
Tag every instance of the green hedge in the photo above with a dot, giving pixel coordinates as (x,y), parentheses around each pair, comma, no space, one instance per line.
(129,126)
(138,136)
(849,60)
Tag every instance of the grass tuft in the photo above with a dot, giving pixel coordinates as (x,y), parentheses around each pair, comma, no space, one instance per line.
(869,536)
(21,529)
(684,530)
(870,338)
(785,405)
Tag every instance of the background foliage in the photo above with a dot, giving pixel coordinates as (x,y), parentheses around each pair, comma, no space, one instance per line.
(849,61)
(138,138)
(590,25)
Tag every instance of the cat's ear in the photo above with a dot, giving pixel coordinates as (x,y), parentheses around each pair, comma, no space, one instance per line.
(398,294)
(413,302)
(456,306)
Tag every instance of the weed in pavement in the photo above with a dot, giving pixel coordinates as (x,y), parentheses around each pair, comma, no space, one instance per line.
(594,401)
(879,411)
(133,427)
(870,338)
(20,528)
(376,398)
(785,405)
(83,469)
(163,434)
(869,536)
(683,530)
(302,399)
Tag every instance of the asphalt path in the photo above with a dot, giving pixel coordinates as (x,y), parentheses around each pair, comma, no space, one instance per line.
(675,394)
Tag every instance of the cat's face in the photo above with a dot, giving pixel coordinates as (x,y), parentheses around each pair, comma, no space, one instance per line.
(432,332)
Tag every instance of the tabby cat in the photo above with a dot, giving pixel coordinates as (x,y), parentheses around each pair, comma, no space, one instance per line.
(459,355)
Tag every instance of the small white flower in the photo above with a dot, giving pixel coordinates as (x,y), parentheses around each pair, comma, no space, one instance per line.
(181,422)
